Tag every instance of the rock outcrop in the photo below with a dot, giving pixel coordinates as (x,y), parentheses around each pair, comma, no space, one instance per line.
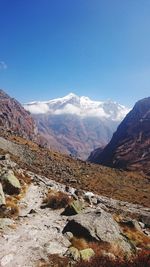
(129,147)
(15,119)
(34,234)
(98,226)
(11,184)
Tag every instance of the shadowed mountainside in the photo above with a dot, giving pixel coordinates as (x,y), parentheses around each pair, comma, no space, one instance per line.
(129,147)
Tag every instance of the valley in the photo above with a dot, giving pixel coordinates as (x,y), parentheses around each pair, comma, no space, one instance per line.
(57,210)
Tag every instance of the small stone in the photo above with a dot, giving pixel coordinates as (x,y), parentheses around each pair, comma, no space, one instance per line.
(94,200)
(146,220)
(87,254)
(2,197)
(75,207)
(68,235)
(74,253)
(142,225)
(7,259)
(53,247)
(5,222)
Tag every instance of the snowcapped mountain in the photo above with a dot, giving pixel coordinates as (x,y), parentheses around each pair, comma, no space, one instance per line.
(81,106)
(76,125)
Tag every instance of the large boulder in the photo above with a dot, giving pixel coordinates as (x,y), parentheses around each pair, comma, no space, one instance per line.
(2,197)
(98,226)
(11,184)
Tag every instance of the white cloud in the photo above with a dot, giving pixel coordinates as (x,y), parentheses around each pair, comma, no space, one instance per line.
(80,106)
(3,65)
(83,112)
(37,108)
(69,109)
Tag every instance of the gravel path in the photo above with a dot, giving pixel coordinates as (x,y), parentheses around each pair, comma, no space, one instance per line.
(36,235)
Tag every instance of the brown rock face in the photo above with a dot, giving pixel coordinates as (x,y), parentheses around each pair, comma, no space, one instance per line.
(129,147)
(14,118)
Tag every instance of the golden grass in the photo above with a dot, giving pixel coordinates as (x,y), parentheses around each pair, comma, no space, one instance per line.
(54,260)
(56,199)
(138,238)
(141,260)
(99,247)
(79,243)
(11,210)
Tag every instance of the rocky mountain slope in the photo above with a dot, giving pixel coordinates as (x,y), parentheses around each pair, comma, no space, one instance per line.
(14,118)
(46,223)
(56,211)
(126,186)
(129,147)
(76,125)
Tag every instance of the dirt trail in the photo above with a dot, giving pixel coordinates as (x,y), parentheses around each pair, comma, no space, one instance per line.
(37,232)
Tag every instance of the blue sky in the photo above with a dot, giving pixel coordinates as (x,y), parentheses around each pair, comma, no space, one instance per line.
(97,48)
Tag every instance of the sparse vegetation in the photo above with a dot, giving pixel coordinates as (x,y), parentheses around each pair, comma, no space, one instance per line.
(117,184)
(11,210)
(54,261)
(99,247)
(23,177)
(56,200)
(138,238)
(142,260)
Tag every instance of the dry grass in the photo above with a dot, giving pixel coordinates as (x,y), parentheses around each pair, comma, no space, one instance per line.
(20,140)
(56,200)
(98,247)
(11,210)
(54,261)
(142,260)
(138,238)
(79,243)
(122,185)
(23,178)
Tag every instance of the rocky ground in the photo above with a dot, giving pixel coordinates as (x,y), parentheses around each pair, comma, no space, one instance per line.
(32,227)
(132,187)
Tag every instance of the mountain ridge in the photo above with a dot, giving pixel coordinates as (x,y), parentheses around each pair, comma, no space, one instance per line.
(84,107)
(129,147)
(76,125)
(14,118)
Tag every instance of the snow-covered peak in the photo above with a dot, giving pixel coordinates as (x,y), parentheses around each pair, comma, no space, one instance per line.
(82,106)
(68,97)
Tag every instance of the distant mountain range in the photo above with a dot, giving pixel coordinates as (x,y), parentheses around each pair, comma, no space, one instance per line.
(77,132)
(76,125)
(129,147)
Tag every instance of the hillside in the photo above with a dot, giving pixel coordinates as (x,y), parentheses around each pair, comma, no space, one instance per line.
(129,147)
(44,223)
(14,118)
(127,186)
(61,211)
